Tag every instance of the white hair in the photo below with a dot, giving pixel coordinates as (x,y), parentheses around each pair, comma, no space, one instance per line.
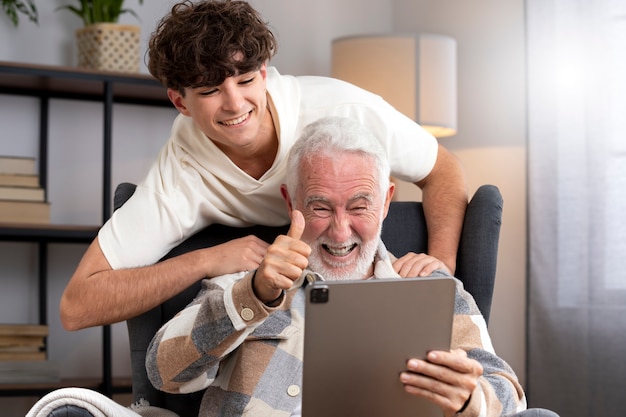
(334,136)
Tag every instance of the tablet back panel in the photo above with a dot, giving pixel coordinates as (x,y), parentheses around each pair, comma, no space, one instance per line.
(358,337)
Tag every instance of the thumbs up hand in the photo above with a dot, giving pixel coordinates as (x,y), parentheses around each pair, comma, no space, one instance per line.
(297,225)
(283,263)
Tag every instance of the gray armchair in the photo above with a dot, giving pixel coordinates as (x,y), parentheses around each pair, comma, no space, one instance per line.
(404,230)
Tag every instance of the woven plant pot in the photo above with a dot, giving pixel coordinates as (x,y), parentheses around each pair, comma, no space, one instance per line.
(109,47)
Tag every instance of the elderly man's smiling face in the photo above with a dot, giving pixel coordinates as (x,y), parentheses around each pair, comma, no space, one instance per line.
(343,208)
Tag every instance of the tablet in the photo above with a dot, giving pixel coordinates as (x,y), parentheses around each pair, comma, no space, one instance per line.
(358,337)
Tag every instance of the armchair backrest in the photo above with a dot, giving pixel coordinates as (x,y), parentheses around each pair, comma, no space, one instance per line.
(404,230)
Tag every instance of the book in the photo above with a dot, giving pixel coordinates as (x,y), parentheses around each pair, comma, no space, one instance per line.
(22,193)
(18,165)
(23,356)
(19,180)
(37,212)
(23,330)
(21,342)
(23,348)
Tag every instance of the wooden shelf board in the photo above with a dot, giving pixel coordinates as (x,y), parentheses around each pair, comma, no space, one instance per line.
(66,81)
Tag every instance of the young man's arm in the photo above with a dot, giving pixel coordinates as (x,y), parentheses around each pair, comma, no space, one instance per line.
(444,195)
(98,295)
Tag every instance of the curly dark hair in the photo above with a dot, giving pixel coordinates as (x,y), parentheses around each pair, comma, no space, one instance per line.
(196,44)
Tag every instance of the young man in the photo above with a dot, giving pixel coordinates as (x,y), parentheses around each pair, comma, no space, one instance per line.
(241,338)
(225,161)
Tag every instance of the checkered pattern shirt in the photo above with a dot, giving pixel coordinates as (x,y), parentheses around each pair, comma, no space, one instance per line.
(248,356)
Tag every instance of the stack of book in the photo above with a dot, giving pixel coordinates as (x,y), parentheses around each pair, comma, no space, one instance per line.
(23,342)
(23,355)
(22,200)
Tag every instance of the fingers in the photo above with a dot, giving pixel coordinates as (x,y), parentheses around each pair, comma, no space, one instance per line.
(456,360)
(242,254)
(249,251)
(418,265)
(445,378)
(284,261)
(297,225)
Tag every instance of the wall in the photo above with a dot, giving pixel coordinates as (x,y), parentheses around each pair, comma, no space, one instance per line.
(491,138)
(490,142)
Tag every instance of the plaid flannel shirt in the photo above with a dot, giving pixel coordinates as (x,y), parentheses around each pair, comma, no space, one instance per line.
(248,356)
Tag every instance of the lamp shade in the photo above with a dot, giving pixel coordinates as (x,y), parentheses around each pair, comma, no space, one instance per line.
(415,73)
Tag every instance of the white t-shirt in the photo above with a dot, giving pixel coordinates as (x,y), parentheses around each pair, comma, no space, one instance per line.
(193,183)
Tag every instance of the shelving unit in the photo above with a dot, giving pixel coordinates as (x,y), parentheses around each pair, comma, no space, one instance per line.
(51,82)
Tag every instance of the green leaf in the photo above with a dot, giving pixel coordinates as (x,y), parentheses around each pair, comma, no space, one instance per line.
(12,8)
(98,11)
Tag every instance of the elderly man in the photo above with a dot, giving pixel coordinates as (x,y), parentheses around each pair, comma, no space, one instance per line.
(242,335)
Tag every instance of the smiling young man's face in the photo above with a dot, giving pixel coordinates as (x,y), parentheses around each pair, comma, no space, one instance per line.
(343,209)
(230,114)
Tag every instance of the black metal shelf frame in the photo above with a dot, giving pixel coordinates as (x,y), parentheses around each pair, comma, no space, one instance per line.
(48,82)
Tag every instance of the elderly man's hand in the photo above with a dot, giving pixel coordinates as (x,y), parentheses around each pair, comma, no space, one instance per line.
(445,378)
(283,263)
(414,265)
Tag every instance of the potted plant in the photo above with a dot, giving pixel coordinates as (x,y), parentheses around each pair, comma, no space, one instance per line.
(12,8)
(103,43)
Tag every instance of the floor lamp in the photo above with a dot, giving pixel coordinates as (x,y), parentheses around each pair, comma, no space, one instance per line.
(416,73)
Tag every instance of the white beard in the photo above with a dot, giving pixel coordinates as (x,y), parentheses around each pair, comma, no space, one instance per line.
(359,269)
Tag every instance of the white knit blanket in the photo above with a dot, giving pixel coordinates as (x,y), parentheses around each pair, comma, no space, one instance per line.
(97,404)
